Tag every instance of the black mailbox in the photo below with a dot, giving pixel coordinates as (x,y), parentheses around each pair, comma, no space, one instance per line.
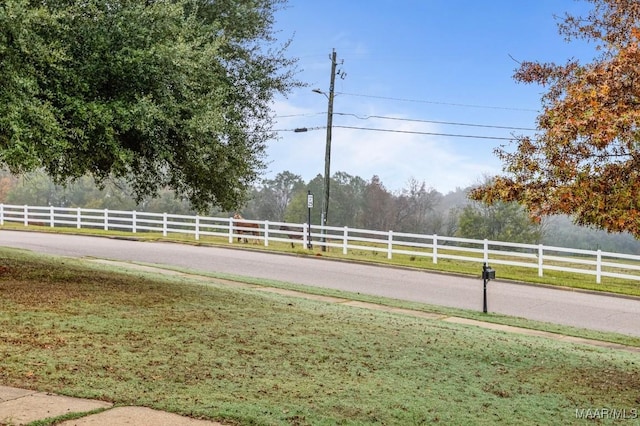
(488,273)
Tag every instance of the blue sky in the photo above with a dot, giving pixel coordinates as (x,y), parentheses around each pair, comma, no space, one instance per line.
(431,60)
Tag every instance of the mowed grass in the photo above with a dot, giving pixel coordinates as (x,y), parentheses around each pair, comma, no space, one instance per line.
(246,356)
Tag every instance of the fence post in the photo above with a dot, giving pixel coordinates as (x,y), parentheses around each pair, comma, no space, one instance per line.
(435,249)
(106,219)
(486,250)
(540,260)
(26,215)
(197,231)
(2,214)
(345,240)
(79,218)
(134,225)
(164,224)
(305,233)
(390,245)
(599,267)
(52,217)
(266,233)
(231,230)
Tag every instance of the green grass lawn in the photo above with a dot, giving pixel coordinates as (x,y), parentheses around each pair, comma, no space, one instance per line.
(252,357)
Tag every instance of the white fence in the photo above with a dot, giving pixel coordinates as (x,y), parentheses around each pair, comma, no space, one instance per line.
(596,263)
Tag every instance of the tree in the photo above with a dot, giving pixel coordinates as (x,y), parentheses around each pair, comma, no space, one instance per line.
(163,93)
(498,222)
(297,210)
(347,194)
(414,205)
(38,189)
(35,189)
(379,206)
(585,158)
(7,183)
(560,232)
(275,195)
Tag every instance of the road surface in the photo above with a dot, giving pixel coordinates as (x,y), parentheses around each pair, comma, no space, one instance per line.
(574,308)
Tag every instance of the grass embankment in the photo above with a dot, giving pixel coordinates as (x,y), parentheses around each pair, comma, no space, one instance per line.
(253,357)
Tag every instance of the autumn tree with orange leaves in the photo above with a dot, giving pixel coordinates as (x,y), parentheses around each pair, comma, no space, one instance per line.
(585,158)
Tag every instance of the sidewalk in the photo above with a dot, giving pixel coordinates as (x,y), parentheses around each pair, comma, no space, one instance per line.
(20,407)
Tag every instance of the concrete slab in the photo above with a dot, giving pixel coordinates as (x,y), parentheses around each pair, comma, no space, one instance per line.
(375,306)
(545,334)
(138,416)
(300,294)
(19,407)
(8,393)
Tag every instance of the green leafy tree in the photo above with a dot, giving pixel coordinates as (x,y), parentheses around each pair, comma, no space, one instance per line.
(498,222)
(35,189)
(84,192)
(379,206)
(271,199)
(168,202)
(38,189)
(297,211)
(165,94)
(347,198)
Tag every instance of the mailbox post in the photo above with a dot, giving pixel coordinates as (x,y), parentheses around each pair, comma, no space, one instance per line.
(487,274)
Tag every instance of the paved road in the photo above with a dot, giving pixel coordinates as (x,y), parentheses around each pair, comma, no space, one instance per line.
(593,311)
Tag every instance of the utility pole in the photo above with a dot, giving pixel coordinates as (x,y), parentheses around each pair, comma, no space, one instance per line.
(327,153)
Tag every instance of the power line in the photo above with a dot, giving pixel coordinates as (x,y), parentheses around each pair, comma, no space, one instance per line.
(308,114)
(372,129)
(432,121)
(300,129)
(434,102)
(415,120)
(425,133)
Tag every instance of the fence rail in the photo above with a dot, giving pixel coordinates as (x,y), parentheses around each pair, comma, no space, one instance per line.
(590,262)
